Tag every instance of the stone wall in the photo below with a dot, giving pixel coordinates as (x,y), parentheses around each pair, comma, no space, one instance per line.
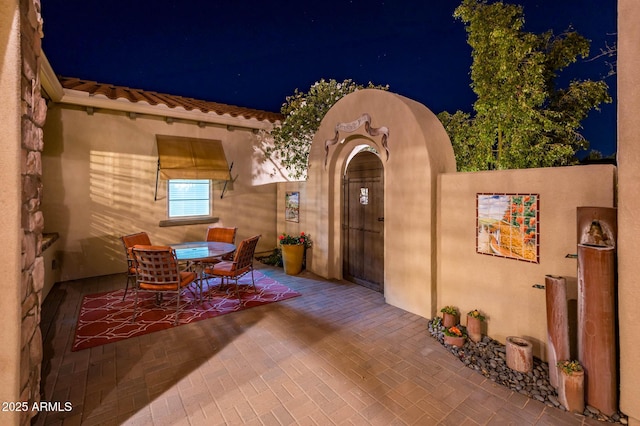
(33,115)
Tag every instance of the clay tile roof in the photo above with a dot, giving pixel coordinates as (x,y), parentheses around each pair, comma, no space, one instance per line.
(172,101)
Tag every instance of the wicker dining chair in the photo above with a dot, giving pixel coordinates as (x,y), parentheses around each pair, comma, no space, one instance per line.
(157,271)
(141,238)
(222,235)
(215,234)
(241,264)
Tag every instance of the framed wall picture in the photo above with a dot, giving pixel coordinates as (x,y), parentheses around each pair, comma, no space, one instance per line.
(508,225)
(292,207)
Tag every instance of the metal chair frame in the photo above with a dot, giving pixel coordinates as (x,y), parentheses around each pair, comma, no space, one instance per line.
(241,264)
(157,271)
(139,238)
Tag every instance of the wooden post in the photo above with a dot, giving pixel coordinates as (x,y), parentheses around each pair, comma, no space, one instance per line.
(597,330)
(558,347)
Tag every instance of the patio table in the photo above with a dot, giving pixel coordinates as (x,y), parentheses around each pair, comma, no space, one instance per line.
(198,252)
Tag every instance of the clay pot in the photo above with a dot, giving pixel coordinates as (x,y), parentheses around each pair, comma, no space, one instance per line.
(571,390)
(454,340)
(449,320)
(519,354)
(474,328)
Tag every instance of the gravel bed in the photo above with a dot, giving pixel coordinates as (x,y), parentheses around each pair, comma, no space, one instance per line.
(489,358)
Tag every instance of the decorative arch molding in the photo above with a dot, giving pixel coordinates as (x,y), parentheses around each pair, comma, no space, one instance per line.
(352,126)
(421,151)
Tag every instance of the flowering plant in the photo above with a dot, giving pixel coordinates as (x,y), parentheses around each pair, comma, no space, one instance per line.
(449,310)
(456,331)
(570,366)
(286,239)
(476,314)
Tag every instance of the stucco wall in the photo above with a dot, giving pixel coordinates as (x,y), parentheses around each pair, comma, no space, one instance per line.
(100,175)
(419,149)
(10,228)
(629,205)
(500,287)
(285,226)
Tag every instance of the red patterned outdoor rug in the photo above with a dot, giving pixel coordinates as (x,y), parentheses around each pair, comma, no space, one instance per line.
(105,318)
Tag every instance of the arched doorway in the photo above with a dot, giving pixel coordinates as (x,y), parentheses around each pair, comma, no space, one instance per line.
(414,149)
(363,221)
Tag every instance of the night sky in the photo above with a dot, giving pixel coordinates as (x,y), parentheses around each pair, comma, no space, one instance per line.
(255,53)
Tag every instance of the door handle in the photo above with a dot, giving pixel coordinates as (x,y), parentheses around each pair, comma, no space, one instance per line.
(381,219)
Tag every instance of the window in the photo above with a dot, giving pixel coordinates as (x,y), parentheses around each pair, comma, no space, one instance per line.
(189,197)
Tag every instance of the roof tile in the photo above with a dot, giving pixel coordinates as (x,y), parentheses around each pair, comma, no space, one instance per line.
(172,101)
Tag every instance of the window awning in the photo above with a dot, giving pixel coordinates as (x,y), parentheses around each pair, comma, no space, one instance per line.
(191,158)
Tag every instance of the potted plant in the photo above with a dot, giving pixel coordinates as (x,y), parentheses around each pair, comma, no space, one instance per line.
(571,385)
(455,336)
(474,325)
(450,316)
(293,251)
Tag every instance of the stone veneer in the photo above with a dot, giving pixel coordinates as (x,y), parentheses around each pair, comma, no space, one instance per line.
(33,115)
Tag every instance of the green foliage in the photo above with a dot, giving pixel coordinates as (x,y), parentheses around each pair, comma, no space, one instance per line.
(476,314)
(449,310)
(274,258)
(521,118)
(569,366)
(303,113)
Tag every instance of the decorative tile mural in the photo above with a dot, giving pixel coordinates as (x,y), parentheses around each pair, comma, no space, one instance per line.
(292,206)
(508,226)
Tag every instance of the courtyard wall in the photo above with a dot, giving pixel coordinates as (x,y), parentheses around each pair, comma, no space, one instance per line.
(10,222)
(504,288)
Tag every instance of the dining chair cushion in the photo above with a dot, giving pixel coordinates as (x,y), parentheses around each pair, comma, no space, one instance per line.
(186,278)
(130,241)
(140,238)
(226,268)
(221,234)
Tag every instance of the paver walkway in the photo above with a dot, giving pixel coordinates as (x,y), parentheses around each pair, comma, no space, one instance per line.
(336,355)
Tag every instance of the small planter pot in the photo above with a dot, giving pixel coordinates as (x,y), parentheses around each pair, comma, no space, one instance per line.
(571,390)
(454,340)
(519,354)
(292,255)
(449,320)
(474,328)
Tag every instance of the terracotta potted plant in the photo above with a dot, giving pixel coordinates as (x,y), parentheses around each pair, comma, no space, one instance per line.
(450,316)
(293,252)
(455,336)
(571,385)
(474,325)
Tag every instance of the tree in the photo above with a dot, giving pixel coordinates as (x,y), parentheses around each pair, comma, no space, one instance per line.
(303,113)
(521,118)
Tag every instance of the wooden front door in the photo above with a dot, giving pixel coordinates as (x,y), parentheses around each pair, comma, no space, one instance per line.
(363,222)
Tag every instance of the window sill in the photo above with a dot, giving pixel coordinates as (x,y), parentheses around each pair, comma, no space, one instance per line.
(188,221)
